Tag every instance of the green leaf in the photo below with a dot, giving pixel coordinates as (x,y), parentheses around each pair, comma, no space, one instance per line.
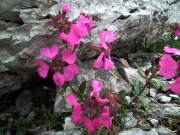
(157,81)
(82,87)
(1,132)
(20,131)
(44,110)
(65,85)
(26,121)
(141,72)
(2,126)
(122,93)
(137,87)
(79,63)
(53,117)
(145,103)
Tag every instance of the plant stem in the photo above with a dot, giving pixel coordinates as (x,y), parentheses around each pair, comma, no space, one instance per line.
(82,50)
(75,91)
(146,84)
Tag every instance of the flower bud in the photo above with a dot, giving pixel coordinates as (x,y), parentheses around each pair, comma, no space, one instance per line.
(174,26)
(146,72)
(95,47)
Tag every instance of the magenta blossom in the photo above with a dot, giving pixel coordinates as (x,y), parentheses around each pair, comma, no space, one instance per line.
(92,113)
(83,26)
(63,65)
(172,50)
(176,27)
(175,87)
(60,21)
(169,68)
(104,58)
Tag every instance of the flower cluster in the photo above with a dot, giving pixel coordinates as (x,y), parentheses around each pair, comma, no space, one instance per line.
(92,112)
(169,68)
(63,65)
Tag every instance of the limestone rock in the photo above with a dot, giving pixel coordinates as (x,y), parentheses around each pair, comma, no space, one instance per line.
(24,29)
(111,79)
(24,102)
(65,132)
(138,131)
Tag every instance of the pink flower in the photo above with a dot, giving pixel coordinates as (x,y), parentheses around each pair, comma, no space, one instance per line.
(175,87)
(171,50)
(104,58)
(92,113)
(63,65)
(60,21)
(177,32)
(176,27)
(168,66)
(79,30)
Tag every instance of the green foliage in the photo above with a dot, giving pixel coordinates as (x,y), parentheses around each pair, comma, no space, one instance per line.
(122,93)
(141,72)
(160,41)
(82,87)
(65,85)
(145,103)
(2,128)
(80,64)
(137,87)
(47,116)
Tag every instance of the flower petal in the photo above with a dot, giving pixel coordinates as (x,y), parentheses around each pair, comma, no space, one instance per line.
(50,52)
(105,100)
(69,71)
(76,113)
(108,64)
(65,7)
(111,37)
(58,78)
(68,56)
(106,120)
(168,66)
(43,68)
(99,62)
(177,33)
(72,38)
(102,37)
(171,50)
(175,87)
(88,124)
(96,123)
(97,86)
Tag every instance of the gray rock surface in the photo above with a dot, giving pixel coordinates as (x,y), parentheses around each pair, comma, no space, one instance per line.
(24,102)
(65,132)
(24,30)
(138,131)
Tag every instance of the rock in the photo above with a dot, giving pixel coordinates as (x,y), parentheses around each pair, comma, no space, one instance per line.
(65,132)
(111,79)
(68,124)
(164,98)
(130,121)
(24,102)
(130,75)
(138,131)
(24,30)
(174,96)
(165,131)
(128,99)
(61,104)
(153,121)
(152,92)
